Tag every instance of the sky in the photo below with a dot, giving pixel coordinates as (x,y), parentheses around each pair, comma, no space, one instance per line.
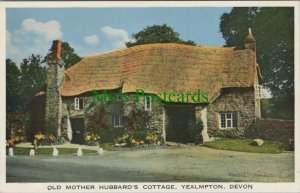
(99,30)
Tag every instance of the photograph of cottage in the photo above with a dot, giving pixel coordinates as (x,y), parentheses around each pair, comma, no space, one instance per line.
(150,94)
(229,75)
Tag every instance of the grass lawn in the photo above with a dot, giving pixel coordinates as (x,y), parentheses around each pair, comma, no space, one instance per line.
(243,145)
(49,151)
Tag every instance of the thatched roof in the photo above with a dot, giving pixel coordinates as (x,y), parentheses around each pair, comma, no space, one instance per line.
(163,67)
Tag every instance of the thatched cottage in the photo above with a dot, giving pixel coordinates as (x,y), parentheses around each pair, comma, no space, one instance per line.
(230,77)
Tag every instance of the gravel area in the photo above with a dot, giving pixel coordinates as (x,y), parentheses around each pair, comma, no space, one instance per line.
(161,164)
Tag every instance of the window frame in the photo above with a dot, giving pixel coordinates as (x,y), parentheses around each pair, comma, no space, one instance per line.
(77,103)
(146,103)
(120,120)
(233,120)
(258,91)
(119,98)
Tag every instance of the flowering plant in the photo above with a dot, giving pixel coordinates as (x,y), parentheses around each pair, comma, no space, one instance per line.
(129,140)
(51,138)
(44,139)
(11,143)
(125,138)
(135,141)
(152,138)
(39,136)
(92,137)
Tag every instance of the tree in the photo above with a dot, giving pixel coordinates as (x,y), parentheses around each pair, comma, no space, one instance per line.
(157,34)
(13,94)
(273,29)
(68,55)
(234,25)
(33,77)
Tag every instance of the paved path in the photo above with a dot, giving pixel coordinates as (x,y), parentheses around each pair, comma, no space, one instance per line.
(168,164)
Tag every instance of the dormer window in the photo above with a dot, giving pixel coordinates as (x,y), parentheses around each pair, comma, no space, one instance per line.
(79,103)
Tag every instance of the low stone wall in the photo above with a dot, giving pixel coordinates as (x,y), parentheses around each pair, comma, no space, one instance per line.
(275,129)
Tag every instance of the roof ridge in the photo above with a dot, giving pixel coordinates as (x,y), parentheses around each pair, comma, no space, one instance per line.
(156,45)
(149,46)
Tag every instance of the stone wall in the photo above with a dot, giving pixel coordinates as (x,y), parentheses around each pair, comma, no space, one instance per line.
(90,102)
(274,129)
(239,100)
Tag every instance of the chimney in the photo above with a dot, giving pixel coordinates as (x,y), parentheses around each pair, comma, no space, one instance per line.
(56,46)
(250,42)
(55,77)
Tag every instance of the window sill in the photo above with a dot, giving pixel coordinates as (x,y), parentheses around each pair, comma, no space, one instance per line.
(121,126)
(231,128)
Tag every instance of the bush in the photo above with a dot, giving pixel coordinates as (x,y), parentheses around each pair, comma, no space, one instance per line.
(137,119)
(95,125)
(15,127)
(138,130)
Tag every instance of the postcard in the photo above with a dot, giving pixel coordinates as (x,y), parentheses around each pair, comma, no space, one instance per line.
(150,96)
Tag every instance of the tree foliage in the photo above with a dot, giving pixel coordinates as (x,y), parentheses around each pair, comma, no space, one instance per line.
(30,78)
(13,94)
(157,34)
(33,77)
(68,55)
(273,29)
(23,83)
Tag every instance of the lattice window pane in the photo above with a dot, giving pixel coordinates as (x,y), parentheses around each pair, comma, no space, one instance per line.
(81,104)
(223,120)
(234,120)
(117,119)
(258,91)
(229,123)
(148,103)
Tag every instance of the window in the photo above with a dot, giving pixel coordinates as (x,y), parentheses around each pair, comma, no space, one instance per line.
(148,101)
(258,91)
(117,119)
(119,98)
(79,104)
(228,120)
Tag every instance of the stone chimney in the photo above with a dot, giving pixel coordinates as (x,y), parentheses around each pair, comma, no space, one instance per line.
(250,42)
(55,76)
